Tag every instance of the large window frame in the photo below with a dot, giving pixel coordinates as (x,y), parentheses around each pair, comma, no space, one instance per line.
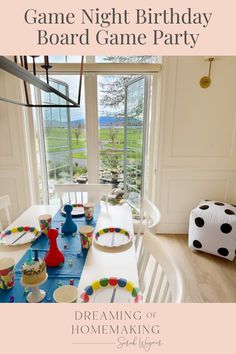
(90,71)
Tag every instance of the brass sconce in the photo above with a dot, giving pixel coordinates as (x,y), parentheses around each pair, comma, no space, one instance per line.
(205,81)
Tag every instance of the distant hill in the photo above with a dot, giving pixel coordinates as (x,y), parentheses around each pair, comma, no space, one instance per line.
(104,121)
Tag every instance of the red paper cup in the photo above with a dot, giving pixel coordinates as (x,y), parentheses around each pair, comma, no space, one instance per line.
(7,273)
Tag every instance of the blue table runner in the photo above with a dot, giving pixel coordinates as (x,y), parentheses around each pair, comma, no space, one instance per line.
(56,275)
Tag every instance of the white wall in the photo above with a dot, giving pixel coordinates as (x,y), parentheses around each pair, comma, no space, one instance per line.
(196,152)
(13,155)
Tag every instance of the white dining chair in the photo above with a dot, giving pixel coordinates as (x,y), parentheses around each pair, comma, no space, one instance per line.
(149,218)
(4,205)
(160,278)
(82,193)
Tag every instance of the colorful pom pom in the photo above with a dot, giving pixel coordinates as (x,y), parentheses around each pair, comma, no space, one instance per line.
(135,292)
(89,290)
(104,282)
(129,286)
(84,297)
(96,285)
(122,282)
(138,298)
(113,281)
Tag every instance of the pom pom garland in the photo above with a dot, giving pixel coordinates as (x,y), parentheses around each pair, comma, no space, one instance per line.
(112,282)
(20,229)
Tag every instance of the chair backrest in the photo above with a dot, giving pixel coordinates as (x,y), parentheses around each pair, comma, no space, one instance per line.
(4,204)
(150,213)
(81,193)
(159,276)
(150,218)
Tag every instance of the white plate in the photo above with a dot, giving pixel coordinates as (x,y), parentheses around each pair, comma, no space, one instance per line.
(76,211)
(14,240)
(112,239)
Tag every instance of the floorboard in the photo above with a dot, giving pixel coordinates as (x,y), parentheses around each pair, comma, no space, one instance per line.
(208,278)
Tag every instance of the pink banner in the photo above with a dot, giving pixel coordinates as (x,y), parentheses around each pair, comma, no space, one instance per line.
(118,27)
(165,329)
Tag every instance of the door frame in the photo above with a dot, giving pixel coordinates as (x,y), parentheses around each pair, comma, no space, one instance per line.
(146,112)
(91,71)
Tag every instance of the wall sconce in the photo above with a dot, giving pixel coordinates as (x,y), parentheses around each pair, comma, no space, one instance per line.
(205,81)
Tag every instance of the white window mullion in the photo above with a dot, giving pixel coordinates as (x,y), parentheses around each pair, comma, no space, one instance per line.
(92,137)
(153,139)
(42,149)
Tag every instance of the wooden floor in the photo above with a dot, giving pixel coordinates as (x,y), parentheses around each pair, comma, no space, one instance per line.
(207,278)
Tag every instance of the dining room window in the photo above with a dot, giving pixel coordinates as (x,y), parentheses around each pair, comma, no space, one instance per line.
(104,140)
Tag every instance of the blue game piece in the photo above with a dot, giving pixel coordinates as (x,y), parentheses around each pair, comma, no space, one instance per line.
(69,227)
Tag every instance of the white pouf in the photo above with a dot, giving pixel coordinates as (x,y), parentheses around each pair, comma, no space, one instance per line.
(212,229)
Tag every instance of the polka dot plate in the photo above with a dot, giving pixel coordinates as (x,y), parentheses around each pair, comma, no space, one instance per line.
(78,210)
(19,236)
(112,237)
(111,290)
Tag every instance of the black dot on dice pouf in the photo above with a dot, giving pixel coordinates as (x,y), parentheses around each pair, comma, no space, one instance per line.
(223,251)
(204,207)
(197,244)
(199,222)
(219,204)
(226,228)
(229,212)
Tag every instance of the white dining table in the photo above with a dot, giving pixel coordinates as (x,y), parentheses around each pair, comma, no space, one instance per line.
(105,263)
(28,217)
(100,262)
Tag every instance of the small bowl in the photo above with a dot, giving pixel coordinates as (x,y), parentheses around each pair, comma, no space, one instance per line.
(65,293)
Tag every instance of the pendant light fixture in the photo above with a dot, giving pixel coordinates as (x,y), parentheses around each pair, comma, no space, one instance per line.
(22,72)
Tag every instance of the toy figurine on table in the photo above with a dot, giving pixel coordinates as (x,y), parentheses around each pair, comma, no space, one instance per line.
(54,257)
(69,227)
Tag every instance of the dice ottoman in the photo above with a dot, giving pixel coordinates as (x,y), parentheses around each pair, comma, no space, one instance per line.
(212,228)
